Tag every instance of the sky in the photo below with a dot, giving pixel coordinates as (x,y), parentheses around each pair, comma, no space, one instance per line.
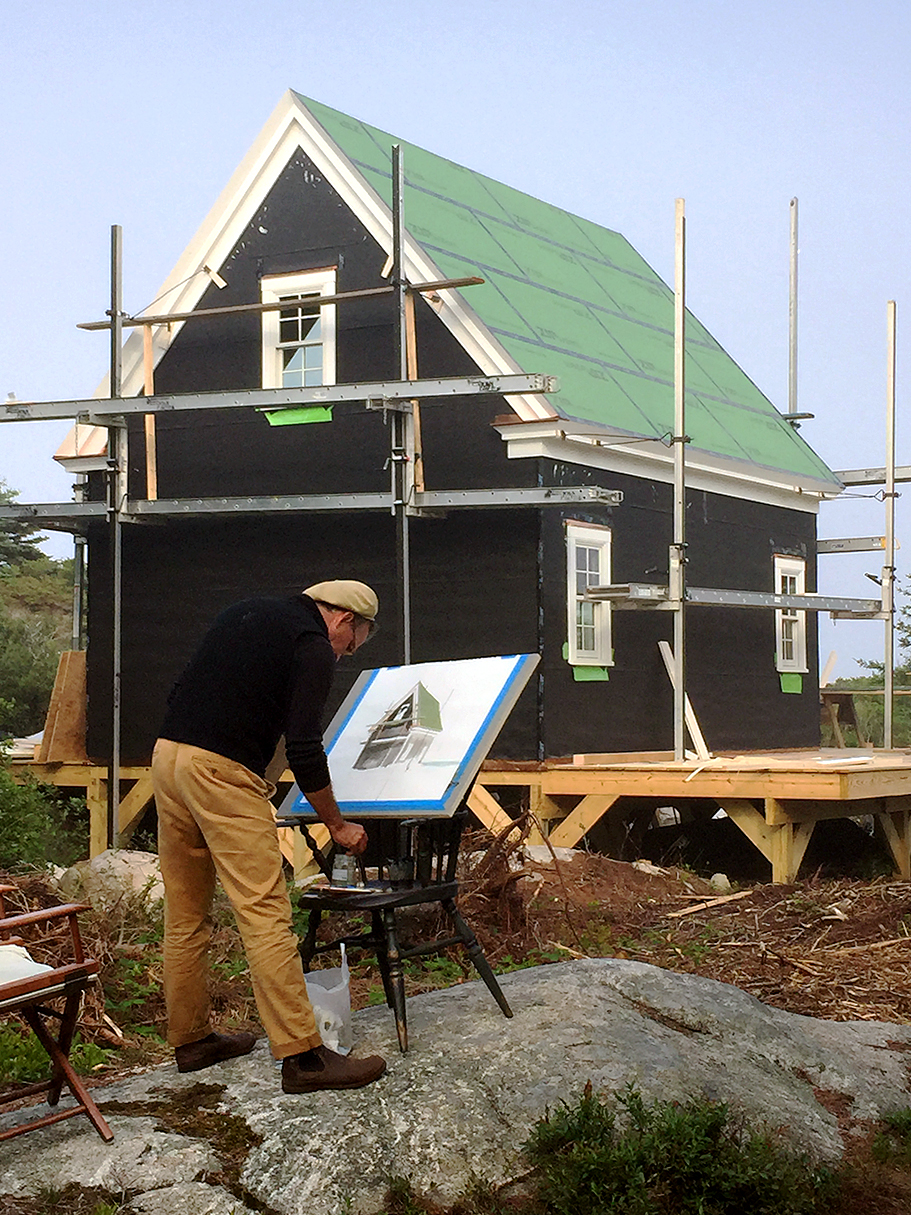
(138,115)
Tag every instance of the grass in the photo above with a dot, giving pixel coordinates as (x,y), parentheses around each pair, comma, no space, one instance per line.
(892,1144)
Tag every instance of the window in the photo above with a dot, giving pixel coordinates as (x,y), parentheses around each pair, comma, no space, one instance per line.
(588,564)
(790,623)
(299,341)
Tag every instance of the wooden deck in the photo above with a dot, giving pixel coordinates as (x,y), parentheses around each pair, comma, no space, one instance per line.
(135,798)
(774,798)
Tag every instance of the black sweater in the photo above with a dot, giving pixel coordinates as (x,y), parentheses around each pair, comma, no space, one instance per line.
(264,669)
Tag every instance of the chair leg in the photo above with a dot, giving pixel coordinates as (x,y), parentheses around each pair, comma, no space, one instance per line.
(75,1085)
(382,958)
(65,1042)
(480,963)
(396,977)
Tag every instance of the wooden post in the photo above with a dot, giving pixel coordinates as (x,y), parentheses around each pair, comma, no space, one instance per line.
(96,797)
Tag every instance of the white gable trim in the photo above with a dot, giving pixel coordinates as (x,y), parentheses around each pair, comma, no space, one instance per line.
(654,462)
(291,127)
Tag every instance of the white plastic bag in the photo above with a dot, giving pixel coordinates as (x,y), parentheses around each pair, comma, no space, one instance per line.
(330,996)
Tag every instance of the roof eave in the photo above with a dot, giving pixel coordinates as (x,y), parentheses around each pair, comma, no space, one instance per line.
(642,456)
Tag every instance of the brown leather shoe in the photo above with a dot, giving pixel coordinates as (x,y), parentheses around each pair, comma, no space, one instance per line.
(323,1068)
(216,1048)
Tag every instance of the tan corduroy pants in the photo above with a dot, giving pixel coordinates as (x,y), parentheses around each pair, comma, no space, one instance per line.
(214,817)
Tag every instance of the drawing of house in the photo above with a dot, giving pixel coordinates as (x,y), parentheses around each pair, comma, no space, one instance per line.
(404,732)
(306,216)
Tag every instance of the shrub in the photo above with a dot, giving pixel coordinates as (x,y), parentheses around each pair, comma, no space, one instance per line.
(24,1060)
(692,1159)
(39,824)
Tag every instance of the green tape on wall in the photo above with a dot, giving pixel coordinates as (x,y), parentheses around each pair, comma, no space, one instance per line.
(790,681)
(586,674)
(298,417)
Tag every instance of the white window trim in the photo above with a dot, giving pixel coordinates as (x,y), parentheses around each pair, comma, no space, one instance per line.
(589,535)
(796,568)
(309,282)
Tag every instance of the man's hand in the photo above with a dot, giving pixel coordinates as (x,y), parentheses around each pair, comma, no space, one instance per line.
(350,836)
(347,835)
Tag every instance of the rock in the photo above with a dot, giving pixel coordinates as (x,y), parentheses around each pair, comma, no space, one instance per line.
(189,1198)
(721,883)
(461,1102)
(648,867)
(140,1158)
(109,876)
(542,854)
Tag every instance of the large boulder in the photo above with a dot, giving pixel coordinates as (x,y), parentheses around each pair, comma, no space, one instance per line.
(112,875)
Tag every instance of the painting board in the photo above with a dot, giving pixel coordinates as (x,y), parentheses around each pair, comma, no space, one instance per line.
(408,741)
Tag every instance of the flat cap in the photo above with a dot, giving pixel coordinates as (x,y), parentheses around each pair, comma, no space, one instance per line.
(344,593)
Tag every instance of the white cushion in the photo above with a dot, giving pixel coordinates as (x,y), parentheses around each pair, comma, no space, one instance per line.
(16,963)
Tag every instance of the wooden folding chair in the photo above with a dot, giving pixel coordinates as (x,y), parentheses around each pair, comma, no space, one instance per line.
(416,862)
(28,996)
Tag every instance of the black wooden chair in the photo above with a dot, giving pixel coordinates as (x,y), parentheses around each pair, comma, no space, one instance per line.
(416,863)
(28,996)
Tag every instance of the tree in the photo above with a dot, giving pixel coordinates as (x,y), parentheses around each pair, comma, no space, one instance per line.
(28,664)
(18,541)
(35,623)
(870,710)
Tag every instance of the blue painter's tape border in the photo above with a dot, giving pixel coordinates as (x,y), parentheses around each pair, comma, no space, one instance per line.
(445,805)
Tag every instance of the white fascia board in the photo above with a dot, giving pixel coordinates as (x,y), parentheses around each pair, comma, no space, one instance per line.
(703,471)
(82,464)
(212,243)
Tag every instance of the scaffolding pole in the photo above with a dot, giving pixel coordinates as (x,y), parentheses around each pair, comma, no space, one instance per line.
(677,555)
(116,495)
(888,577)
(401,419)
(792,315)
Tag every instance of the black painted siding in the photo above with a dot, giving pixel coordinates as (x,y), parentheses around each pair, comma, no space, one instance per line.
(731,677)
(483,581)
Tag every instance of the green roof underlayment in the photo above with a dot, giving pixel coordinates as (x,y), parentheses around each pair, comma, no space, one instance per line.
(566,297)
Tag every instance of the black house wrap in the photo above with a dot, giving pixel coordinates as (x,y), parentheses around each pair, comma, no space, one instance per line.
(484,581)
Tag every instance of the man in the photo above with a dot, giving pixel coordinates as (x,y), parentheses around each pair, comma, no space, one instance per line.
(264,669)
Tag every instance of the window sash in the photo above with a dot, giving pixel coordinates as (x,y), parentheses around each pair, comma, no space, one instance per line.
(588,622)
(790,623)
(299,341)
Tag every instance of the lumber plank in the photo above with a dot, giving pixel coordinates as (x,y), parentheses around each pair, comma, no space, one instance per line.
(789,843)
(582,819)
(485,807)
(622,757)
(707,903)
(751,823)
(132,808)
(96,798)
(895,828)
(64,727)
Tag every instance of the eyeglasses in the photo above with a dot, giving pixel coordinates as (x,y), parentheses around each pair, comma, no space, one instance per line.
(356,620)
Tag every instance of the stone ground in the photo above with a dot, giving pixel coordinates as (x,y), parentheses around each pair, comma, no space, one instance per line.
(833,947)
(461,1102)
